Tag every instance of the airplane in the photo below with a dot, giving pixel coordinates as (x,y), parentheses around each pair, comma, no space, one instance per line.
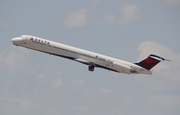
(87,57)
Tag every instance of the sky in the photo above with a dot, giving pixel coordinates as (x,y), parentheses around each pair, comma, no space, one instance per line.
(35,83)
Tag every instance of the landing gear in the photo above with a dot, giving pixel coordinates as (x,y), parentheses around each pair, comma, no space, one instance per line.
(91,67)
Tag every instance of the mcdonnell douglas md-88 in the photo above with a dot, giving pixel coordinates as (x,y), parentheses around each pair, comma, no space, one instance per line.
(86,57)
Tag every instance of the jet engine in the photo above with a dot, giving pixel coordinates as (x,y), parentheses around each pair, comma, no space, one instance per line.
(123,68)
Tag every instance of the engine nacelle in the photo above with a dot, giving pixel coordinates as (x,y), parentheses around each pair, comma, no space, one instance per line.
(123,68)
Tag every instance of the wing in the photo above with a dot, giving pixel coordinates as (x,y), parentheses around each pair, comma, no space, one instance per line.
(90,64)
(82,61)
(85,62)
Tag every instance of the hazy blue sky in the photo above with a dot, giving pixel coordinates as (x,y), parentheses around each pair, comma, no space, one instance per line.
(34,83)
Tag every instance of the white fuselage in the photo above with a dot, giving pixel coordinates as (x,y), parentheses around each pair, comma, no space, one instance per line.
(79,55)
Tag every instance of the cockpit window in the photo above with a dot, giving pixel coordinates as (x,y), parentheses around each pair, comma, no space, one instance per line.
(24,39)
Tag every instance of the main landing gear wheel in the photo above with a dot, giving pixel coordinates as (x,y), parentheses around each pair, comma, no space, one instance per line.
(91,67)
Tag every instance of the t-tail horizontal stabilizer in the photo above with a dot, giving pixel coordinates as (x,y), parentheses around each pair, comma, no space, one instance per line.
(150,61)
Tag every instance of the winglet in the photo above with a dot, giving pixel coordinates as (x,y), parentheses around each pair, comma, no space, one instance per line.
(155,56)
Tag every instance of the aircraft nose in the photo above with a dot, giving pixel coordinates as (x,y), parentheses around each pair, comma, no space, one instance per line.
(16,41)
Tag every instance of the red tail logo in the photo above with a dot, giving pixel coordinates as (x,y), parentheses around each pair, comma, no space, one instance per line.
(31,39)
(150,61)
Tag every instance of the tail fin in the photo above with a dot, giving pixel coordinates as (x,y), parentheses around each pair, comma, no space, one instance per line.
(150,61)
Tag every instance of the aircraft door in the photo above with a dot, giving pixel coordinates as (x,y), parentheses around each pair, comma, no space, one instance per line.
(24,41)
(109,63)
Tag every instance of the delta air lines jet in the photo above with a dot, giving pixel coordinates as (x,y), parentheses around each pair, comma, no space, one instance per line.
(86,57)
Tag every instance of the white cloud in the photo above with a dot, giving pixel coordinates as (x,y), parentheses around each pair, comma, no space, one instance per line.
(165,73)
(165,101)
(20,104)
(110,17)
(76,19)
(26,103)
(56,84)
(82,110)
(78,82)
(94,3)
(105,90)
(9,82)
(40,77)
(130,12)
(150,47)
(13,59)
(173,2)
